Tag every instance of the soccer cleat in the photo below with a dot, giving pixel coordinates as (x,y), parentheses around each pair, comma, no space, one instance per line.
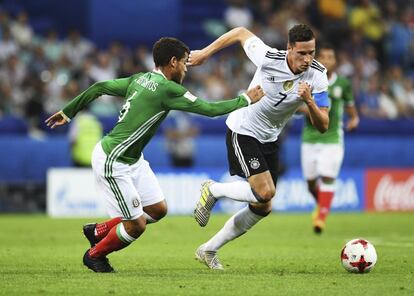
(89,232)
(209,258)
(318,225)
(97,264)
(205,204)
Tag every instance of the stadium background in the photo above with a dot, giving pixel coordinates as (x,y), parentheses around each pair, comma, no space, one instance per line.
(40,255)
(43,65)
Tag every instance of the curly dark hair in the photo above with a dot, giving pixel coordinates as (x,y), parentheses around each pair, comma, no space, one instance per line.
(299,33)
(166,48)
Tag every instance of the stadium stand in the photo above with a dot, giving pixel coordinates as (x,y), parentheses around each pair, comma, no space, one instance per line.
(45,60)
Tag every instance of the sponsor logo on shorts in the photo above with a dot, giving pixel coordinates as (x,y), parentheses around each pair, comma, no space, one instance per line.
(135,203)
(254,163)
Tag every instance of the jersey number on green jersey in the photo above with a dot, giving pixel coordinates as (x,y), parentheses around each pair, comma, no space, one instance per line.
(126,107)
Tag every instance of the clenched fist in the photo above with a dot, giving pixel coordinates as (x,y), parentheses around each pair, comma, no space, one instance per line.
(255,94)
(305,91)
(197,57)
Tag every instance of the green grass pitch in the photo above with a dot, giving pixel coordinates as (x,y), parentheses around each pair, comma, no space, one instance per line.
(280,256)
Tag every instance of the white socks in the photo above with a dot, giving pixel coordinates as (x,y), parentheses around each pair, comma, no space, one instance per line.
(238,190)
(123,235)
(237,225)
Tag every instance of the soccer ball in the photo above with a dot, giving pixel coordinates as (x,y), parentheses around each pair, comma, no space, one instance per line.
(358,255)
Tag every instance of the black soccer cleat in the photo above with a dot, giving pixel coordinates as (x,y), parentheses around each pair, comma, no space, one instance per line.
(89,232)
(97,264)
(317,229)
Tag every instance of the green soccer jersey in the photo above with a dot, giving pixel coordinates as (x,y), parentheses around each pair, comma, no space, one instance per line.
(149,98)
(340,93)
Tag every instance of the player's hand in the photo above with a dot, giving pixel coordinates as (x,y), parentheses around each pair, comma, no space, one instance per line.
(56,120)
(255,94)
(196,57)
(352,124)
(305,92)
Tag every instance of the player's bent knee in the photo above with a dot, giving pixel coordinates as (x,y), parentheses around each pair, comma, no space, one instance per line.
(135,227)
(161,212)
(156,212)
(161,215)
(155,216)
(265,194)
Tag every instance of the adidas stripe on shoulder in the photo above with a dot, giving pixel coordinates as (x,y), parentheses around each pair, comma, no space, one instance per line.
(317,66)
(280,55)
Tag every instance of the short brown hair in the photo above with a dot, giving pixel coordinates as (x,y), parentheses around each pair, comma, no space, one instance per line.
(299,33)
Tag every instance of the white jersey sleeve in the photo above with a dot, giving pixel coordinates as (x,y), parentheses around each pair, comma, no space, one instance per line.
(256,50)
(320,79)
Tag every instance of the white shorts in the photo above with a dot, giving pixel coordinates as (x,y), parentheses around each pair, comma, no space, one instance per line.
(125,188)
(321,160)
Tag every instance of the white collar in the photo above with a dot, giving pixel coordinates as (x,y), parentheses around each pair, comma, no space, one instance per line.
(159,72)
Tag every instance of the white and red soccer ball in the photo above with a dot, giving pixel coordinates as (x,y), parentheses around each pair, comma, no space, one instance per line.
(359,256)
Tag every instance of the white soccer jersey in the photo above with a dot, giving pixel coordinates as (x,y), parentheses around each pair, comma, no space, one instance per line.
(265,119)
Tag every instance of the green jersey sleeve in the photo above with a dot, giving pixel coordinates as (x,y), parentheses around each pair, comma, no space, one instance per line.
(115,87)
(179,98)
(348,96)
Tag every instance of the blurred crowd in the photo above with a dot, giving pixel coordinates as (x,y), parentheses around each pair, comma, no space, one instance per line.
(374,41)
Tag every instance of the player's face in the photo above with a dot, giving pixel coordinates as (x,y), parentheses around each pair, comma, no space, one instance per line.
(327,58)
(180,70)
(300,55)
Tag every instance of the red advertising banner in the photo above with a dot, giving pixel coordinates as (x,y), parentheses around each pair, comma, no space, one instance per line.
(389,190)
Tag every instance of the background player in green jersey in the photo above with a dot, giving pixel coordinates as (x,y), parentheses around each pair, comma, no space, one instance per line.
(123,177)
(322,154)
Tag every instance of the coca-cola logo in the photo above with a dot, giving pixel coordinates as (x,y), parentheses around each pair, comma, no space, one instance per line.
(394,195)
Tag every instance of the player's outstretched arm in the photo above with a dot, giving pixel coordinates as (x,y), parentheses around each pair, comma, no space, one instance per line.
(239,34)
(115,87)
(319,116)
(190,103)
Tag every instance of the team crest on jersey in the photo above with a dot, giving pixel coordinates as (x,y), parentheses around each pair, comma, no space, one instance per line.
(287,85)
(135,203)
(254,163)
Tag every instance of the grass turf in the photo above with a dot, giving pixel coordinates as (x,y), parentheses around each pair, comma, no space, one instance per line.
(42,256)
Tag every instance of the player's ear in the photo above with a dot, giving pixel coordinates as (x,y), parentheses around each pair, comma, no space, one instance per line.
(173,62)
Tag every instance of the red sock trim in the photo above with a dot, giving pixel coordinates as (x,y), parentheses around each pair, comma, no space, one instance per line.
(107,245)
(102,229)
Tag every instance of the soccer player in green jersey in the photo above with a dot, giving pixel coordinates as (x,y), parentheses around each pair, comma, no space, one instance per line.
(124,178)
(322,154)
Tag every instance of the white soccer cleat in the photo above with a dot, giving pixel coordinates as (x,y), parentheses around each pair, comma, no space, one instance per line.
(205,204)
(209,258)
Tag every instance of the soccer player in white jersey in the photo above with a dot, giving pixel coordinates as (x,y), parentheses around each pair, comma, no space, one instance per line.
(289,78)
